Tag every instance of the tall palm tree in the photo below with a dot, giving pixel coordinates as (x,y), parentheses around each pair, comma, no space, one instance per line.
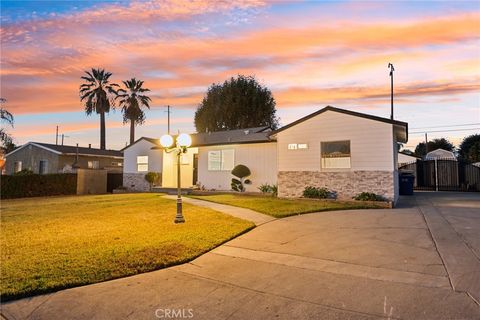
(5,117)
(96,93)
(131,101)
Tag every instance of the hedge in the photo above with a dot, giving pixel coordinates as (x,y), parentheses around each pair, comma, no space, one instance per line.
(38,185)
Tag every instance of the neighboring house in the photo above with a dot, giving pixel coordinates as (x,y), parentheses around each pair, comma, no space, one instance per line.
(440,154)
(43,158)
(404,158)
(330,148)
(139,160)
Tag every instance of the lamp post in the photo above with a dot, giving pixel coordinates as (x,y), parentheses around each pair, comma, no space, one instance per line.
(183,141)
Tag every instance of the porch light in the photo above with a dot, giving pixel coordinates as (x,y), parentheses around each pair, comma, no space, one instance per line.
(166,141)
(183,141)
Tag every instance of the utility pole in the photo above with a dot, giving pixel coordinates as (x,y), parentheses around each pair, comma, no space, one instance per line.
(168,119)
(391,89)
(426,144)
(56,137)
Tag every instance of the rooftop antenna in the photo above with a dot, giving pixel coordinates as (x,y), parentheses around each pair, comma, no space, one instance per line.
(63,137)
(56,137)
(391,89)
(168,117)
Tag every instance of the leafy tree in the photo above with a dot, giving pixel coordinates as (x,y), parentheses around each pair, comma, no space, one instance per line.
(238,103)
(470,148)
(434,144)
(7,118)
(131,101)
(97,95)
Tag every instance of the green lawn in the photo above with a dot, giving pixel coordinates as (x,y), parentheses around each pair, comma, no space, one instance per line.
(53,243)
(279,208)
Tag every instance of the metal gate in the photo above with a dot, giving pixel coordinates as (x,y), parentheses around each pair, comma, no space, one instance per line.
(444,175)
(114,180)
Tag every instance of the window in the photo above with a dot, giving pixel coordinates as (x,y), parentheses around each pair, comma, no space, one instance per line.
(142,163)
(93,164)
(221,160)
(43,167)
(17,166)
(336,154)
(116,164)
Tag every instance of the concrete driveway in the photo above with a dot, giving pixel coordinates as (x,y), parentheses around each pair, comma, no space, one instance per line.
(418,261)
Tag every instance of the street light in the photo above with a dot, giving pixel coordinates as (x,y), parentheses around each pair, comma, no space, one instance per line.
(183,141)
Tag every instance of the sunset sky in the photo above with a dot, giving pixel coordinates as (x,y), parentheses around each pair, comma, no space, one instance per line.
(310,54)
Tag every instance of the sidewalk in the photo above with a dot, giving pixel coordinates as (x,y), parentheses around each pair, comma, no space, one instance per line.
(246,214)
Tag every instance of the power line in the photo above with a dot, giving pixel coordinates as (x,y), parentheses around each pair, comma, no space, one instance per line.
(447,126)
(423,132)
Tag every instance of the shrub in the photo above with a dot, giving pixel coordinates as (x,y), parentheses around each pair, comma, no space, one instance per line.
(151,177)
(368,196)
(241,172)
(318,193)
(266,188)
(23,172)
(38,185)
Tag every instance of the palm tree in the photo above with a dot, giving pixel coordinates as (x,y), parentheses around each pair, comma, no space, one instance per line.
(131,101)
(5,117)
(95,92)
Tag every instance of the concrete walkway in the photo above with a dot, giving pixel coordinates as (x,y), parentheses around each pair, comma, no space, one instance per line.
(246,214)
(360,264)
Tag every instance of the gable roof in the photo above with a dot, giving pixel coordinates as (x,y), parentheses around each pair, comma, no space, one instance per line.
(238,136)
(72,150)
(151,140)
(348,112)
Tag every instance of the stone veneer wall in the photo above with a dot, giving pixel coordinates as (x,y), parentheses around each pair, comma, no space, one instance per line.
(345,184)
(135,181)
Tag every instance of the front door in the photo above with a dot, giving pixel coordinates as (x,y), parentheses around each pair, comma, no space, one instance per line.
(195,168)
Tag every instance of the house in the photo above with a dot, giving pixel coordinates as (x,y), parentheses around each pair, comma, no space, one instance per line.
(334,148)
(330,148)
(220,152)
(440,154)
(404,158)
(43,158)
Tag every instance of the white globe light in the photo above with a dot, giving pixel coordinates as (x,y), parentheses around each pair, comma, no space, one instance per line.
(166,141)
(184,140)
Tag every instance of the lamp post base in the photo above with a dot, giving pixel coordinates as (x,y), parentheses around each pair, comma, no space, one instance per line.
(179,217)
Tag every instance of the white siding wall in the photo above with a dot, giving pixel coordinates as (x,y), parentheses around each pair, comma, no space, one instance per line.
(169,176)
(142,148)
(370,143)
(260,158)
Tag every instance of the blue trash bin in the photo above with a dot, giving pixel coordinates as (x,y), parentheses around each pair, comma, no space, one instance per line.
(406,184)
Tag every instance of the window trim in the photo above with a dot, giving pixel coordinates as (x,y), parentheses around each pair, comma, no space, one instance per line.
(336,168)
(15,166)
(93,164)
(221,160)
(144,158)
(40,166)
